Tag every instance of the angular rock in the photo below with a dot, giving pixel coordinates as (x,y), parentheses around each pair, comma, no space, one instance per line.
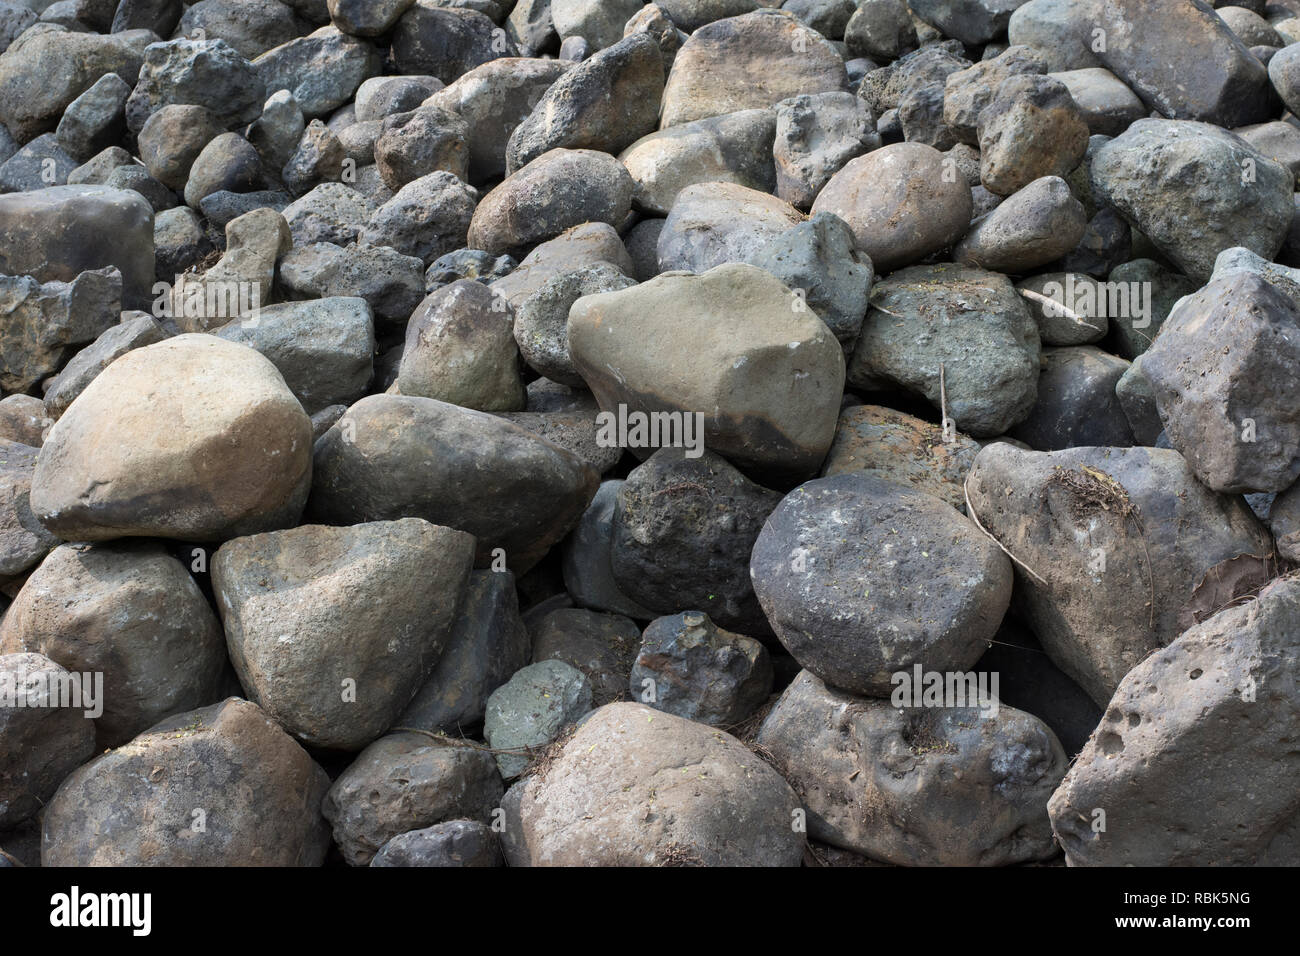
(427,140)
(95,120)
(1220,370)
(606,103)
(690,667)
(41,322)
(321,70)
(1195,190)
(1184,725)
(1031,128)
(531,709)
(206,73)
(815,136)
(1117,540)
(1182,60)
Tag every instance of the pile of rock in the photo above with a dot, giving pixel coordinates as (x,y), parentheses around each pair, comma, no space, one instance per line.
(698,432)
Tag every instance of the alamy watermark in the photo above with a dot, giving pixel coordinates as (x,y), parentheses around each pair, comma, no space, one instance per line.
(206,300)
(1091,299)
(51,689)
(633,429)
(948,689)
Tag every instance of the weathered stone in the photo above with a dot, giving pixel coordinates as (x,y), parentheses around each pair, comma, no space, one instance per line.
(100,477)
(690,667)
(134,806)
(862,578)
(727,335)
(393,456)
(1131,525)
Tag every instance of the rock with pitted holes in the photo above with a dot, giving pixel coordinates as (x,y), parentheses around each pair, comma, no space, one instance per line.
(1110,543)
(1192,761)
(917,786)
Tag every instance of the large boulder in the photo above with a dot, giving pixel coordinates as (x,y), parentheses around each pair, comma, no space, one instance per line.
(752,61)
(130,611)
(56,234)
(730,346)
(955,335)
(145,451)
(1193,763)
(604,103)
(947,785)
(1181,59)
(616,795)
(323,631)
(1221,373)
(731,148)
(1194,190)
(862,578)
(713,223)
(42,742)
(1110,544)
(556,191)
(173,797)
(45,70)
(395,456)
(900,202)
